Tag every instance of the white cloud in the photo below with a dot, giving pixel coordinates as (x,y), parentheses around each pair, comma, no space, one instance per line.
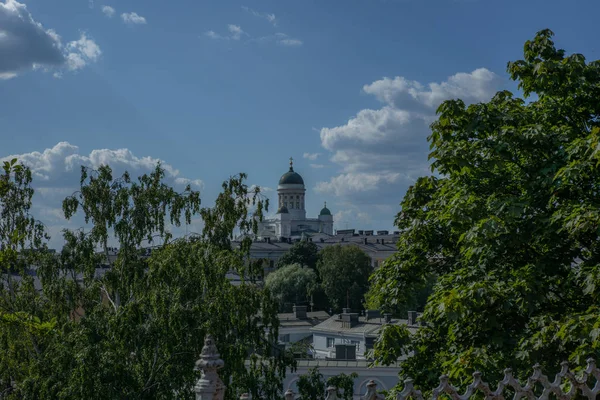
(108,11)
(345,184)
(82,52)
(58,167)
(317,166)
(290,42)
(56,173)
(381,151)
(235,33)
(26,45)
(351,218)
(268,16)
(311,156)
(133,18)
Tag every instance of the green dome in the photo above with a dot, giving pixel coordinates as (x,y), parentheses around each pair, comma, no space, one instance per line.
(325,210)
(291,178)
(282,210)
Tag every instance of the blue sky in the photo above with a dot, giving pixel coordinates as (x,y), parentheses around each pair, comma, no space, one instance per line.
(213,88)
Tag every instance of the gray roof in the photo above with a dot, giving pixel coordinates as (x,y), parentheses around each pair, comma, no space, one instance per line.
(289,320)
(373,243)
(364,327)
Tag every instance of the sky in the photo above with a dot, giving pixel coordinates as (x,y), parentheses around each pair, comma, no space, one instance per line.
(213,88)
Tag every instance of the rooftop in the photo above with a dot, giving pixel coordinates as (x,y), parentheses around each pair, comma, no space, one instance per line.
(367,327)
(289,320)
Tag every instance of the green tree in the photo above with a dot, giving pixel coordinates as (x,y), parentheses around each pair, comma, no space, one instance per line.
(510,227)
(303,253)
(344,271)
(136,330)
(23,333)
(312,386)
(292,284)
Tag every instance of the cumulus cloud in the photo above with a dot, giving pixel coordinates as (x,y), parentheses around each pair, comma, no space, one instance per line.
(82,52)
(381,151)
(108,11)
(133,18)
(268,16)
(58,167)
(25,44)
(317,166)
(56,172)
(311,156)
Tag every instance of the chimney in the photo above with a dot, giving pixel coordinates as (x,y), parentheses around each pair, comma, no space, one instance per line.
(366,241)
(387,318)
(372,314)
(300,312)
(377,241)
(269,240)
(412,318)
(349,320)
(290,240)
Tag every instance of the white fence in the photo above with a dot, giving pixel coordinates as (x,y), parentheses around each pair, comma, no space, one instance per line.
(566,385)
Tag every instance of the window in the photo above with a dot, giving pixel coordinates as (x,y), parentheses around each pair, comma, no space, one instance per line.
(285,204)
(297,204)
(356,343)
(271,264)
(284,338)
(297,197)
(330,342)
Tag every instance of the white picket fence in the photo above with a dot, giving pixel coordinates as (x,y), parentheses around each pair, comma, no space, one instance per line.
(566,384)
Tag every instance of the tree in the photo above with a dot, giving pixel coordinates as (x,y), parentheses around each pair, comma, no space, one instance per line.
(303,253)
(510,226)
(292,284)
(312,385)
(344,273)
(135,329)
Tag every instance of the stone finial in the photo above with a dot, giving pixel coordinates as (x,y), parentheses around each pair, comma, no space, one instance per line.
(331,393)
(289,394)
(209,386)
(372,392)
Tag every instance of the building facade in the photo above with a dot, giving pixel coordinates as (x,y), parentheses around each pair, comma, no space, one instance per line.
(290,220)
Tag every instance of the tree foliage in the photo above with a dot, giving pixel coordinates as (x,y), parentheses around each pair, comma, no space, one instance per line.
(134,329)
(510,227)
(292,284)
(302,253)
(344,271)
(312,386)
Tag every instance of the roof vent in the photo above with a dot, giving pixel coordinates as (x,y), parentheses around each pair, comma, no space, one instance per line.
(372,314)
(300,312)
(412,318)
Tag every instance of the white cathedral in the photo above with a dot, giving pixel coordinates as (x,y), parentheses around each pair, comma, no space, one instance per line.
(290,220)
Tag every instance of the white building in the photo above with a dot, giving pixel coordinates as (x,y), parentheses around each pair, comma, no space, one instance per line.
(290,220)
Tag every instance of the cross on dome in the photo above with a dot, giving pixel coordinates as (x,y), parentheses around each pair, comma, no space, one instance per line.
(291,164)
